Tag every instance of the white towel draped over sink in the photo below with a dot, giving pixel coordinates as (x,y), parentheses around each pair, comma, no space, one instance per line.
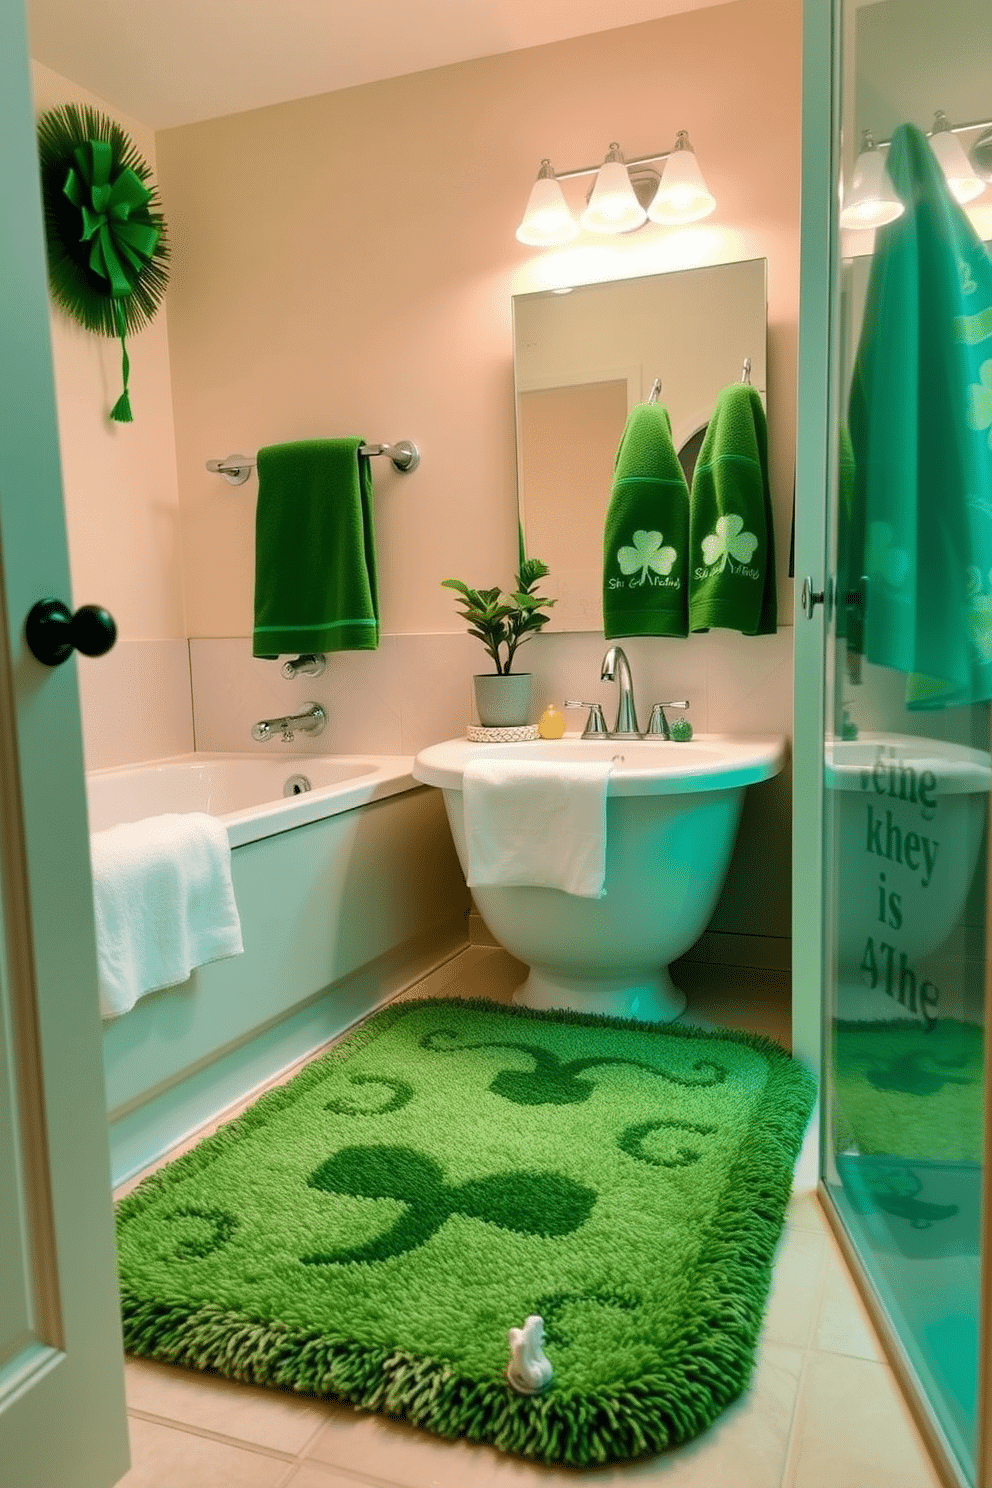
(537,823)
(163,903)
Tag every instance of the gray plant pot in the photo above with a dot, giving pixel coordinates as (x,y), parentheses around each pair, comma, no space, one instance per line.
(503,702)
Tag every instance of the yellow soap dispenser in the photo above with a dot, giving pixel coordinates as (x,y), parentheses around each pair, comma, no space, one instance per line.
(551,724)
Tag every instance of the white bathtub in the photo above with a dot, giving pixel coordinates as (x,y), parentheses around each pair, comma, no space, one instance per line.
(247,792)
(347,893)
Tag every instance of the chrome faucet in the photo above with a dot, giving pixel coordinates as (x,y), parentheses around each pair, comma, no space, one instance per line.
(310,721)
(616,668)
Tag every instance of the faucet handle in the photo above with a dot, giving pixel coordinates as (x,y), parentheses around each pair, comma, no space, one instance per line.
(658,723)
(310,664)
(595,724)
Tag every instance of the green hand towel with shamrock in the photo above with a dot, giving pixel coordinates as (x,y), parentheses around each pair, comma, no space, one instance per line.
(645,575)
(731,544)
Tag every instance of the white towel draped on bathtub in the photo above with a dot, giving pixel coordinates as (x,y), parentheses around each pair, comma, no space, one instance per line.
(163,903)
(530,822)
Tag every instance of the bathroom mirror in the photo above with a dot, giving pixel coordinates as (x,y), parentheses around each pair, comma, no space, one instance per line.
(582,358)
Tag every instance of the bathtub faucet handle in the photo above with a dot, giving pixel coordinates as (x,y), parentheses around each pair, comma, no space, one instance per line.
(310,664)
(595,724)
(311,721)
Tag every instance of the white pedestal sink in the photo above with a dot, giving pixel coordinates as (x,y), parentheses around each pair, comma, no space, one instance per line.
(672,815)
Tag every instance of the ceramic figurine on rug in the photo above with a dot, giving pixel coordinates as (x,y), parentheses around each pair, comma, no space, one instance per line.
(530,1370)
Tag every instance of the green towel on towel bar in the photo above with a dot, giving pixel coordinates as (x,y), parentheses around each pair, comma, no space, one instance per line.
(731,544)
(315,567)
(921,428)
(645,581)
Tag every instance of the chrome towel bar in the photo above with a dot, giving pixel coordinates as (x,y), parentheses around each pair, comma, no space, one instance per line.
(404,455)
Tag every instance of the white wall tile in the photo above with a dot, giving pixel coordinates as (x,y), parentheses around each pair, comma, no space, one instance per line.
(135,703)
(233,690)
(568,666)
(413,691)
(750,682)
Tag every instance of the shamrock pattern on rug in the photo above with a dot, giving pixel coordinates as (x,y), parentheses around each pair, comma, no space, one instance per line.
(553,1082)
(370,1230)
(529,1203)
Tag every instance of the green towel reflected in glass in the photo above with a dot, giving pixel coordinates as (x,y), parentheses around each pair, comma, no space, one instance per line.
(920,533)
(315,562)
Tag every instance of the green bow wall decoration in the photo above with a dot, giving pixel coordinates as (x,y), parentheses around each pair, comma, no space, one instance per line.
(106,238)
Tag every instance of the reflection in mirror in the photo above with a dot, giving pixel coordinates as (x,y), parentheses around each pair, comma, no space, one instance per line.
(582,359)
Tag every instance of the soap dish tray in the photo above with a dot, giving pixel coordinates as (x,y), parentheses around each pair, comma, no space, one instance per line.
(477,734)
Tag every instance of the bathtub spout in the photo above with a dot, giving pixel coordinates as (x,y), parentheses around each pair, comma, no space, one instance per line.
(310,721)
(617,668)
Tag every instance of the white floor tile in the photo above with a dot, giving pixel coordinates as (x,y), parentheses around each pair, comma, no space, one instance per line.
(276,1419)
(843,1326)
(744,1448)
(165,1457)
(853,1428)
(797,1281)
(313,1475)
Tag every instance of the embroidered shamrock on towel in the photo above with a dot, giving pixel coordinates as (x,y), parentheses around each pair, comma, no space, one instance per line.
(647,553)
(980,401)
(728,541)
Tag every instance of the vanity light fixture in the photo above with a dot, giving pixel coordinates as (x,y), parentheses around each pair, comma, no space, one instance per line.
(624,196)
(547,222)
(872,200)
(613,206)
(683,195)
(961,179)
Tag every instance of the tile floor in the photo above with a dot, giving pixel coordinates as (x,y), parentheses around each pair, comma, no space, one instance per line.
(823,1408)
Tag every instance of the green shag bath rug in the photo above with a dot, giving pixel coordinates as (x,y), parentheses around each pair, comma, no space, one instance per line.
(908,1090)
(372,1229)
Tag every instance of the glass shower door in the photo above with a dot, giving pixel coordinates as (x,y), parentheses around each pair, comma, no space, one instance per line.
(906,773)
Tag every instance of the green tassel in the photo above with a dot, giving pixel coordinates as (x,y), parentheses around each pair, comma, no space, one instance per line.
(121,411)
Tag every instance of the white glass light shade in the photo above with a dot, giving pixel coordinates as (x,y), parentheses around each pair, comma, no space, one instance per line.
(962,182)
(547,221)
(613,206)
(682,194)
(872,200)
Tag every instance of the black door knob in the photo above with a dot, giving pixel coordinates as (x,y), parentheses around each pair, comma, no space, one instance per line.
(53,632)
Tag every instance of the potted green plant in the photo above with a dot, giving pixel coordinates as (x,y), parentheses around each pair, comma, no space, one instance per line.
(502,622)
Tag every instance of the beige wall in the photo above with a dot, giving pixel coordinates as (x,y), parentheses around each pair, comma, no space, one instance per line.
(122,513)
(344,264)
(122,499)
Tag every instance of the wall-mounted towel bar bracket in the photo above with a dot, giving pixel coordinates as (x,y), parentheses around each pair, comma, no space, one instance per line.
(234,468)
(404,456)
